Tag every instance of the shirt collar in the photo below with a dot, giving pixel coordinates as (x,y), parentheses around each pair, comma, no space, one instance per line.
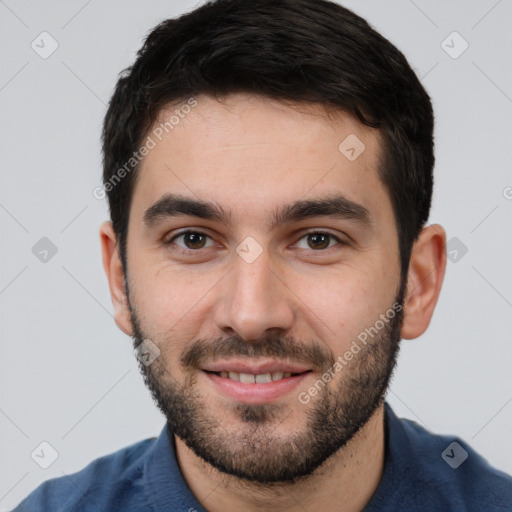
(397,463)
(163,481)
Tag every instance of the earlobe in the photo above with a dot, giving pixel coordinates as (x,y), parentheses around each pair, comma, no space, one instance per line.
(115,275)
(424,280)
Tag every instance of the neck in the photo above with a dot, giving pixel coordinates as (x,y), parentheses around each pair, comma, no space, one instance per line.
(349,479)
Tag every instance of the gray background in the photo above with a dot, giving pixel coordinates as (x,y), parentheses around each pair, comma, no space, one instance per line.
(68,375)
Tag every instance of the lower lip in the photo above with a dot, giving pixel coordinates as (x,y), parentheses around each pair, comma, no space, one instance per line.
(257,393)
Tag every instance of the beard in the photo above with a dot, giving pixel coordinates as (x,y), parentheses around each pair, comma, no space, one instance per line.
(254,450)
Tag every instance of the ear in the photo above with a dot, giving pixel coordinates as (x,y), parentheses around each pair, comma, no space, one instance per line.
(115,275)
(425,277)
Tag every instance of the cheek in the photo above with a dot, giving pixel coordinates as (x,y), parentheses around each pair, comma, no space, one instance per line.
(169,299)
(341,305)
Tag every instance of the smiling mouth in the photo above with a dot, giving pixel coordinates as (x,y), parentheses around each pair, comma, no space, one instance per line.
(262,378)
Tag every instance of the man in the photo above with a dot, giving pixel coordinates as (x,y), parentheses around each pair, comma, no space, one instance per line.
(268,166)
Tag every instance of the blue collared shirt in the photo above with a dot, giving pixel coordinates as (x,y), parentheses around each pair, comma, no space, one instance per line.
(422,472)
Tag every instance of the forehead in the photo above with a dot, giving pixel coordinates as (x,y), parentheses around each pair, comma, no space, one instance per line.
(251,154)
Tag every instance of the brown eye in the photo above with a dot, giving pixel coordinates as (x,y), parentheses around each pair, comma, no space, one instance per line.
(192,240)
(318,240)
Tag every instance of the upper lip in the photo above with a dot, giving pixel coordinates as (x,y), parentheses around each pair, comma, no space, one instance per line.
(255,368)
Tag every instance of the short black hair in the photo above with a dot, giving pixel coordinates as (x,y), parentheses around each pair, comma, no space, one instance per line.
(313,51)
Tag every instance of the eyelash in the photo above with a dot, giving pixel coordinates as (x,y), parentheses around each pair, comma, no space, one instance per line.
(198,251)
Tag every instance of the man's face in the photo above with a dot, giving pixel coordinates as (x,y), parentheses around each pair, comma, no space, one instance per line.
(267,293)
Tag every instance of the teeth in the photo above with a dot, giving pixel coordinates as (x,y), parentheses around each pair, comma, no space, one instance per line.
(247,378)
(262,378)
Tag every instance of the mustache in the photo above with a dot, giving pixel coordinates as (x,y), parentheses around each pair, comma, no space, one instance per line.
(204,350)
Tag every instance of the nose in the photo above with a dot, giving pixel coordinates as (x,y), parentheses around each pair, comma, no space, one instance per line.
(254,300)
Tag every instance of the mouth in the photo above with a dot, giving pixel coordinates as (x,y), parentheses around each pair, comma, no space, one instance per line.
(255,383)
(260,378)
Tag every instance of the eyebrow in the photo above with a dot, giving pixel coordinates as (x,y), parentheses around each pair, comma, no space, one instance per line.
(336,206)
